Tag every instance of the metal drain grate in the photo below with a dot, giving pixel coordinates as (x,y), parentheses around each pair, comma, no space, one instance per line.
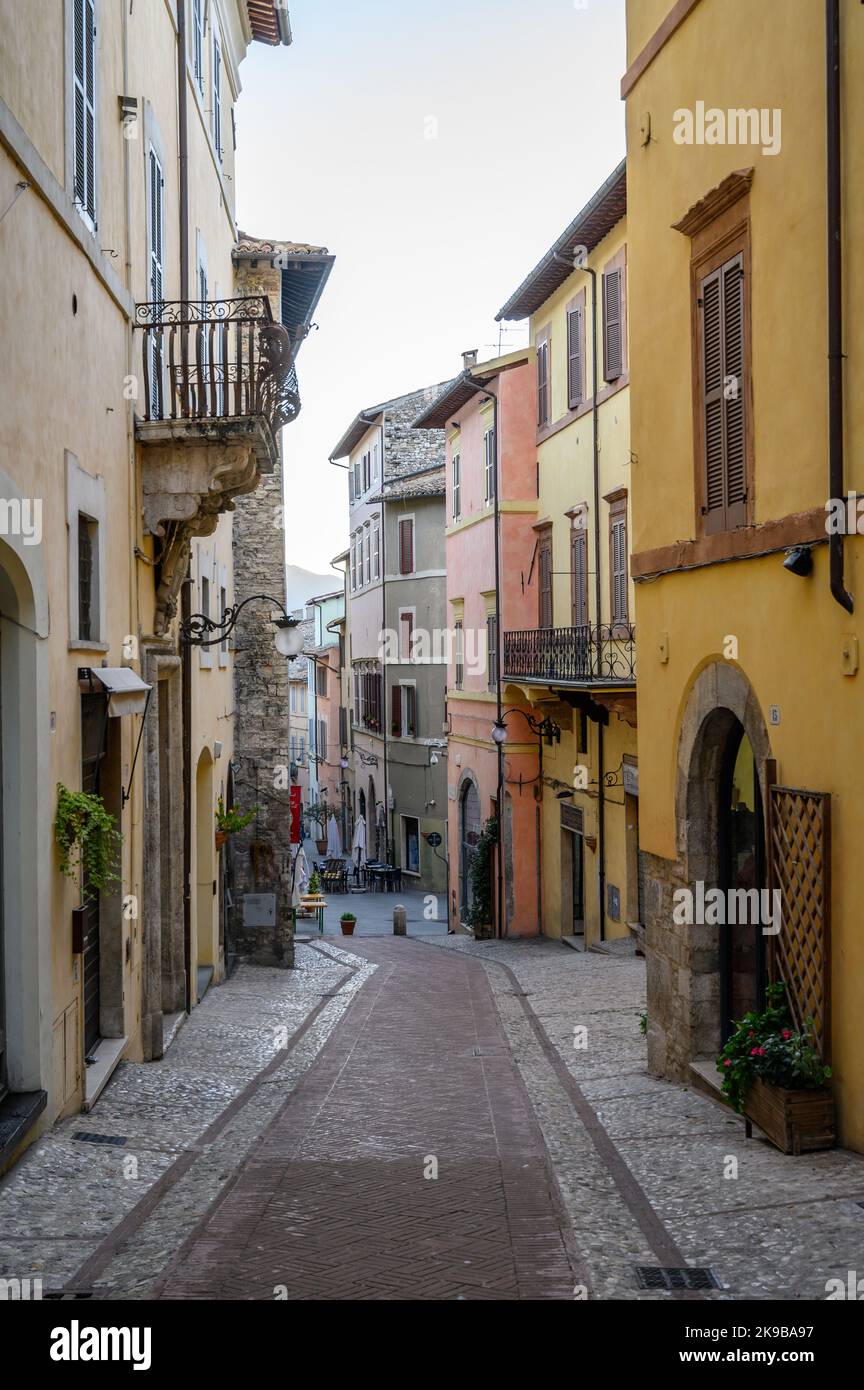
(87,1138)
(664,1277)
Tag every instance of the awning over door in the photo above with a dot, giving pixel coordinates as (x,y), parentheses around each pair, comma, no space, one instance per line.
(127,693)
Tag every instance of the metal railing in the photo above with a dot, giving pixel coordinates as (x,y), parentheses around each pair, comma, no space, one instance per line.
(572,655)
(216,360)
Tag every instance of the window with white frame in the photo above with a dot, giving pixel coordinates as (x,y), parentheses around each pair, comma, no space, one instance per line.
(216,94)
(223,604)
(198,43)
(376,552)
(489,464)
(410,845)
(84,107)
(457,486)
(367,556)
(205,654)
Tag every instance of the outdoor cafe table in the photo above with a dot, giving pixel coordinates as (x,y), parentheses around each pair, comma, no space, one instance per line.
(315,904)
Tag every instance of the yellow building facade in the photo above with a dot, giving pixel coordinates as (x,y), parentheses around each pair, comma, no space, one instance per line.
(745,421)
(576,667)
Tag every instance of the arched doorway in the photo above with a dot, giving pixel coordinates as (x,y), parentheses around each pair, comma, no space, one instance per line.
(205,871)
(373,848)
(741,844)
(469,831)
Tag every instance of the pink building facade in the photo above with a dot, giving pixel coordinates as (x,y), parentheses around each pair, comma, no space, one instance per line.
(495,396)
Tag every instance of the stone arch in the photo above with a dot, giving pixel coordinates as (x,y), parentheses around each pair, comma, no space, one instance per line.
(721,701)
(28,795)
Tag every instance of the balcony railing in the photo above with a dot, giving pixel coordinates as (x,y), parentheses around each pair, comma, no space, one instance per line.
(572,655)
(216,360)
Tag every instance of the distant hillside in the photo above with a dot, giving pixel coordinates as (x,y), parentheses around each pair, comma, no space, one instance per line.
(301,585)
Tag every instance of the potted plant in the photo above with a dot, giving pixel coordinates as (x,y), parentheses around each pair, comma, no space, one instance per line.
(316,815)
(87,837)
(229,822)
(480,913)
(314,889)
(774,1076)
(347,922)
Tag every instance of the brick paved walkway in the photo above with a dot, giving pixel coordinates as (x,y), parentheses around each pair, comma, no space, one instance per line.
(332,1203)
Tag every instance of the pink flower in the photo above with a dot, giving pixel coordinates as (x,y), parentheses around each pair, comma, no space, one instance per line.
(727,1063)
(757,1052)
(786,1035)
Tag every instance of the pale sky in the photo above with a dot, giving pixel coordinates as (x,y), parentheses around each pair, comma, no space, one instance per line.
(437,149)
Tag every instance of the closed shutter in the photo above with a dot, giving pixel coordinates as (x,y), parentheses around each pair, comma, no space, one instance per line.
(396,710)
(574,358)
(618,559)
(723,424)
(543,383)
(545,568)
(406,546)
(411,710)
(84,59)
(198,42)
(157,224)
(217,98)
(612,345)
(579,576)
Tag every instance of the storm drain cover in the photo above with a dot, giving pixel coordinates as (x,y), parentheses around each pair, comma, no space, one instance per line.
(664,1277)
(87,1138)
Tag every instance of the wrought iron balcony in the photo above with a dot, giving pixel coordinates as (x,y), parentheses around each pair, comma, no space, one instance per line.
(576,656)
(216,361)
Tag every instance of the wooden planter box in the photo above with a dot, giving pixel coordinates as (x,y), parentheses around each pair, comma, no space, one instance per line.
(795,1121)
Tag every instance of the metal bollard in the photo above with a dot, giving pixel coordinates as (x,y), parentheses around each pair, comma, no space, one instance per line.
(400,921)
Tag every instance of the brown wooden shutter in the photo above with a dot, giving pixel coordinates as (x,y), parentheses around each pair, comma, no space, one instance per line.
(579,577)
(723,389)
(411,710)
(543,382)
(733,400)
(396,710)
(618,558)
(574,358)
(406,546)
(613,362)
(545,576)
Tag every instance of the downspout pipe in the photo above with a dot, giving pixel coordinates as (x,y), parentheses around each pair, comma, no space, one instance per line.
(469,380)
(598,596)
(835,293)
(185,657)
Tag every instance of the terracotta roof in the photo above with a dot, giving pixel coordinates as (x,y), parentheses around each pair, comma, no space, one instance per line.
(430,482)
(588,228)
(250,247)
(304,270)
(464,387)
(269,22)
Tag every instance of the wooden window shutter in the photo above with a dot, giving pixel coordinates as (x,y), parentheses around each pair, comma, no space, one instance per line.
(574,358)
(84,63)
(411,710)
(543,382)
(724,477)
(396,710)
(618,566)
(579,576)
(545,575)
(406,546)
(613,363)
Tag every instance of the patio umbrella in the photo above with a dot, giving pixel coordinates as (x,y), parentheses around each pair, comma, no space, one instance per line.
(358,848)
(301,875)
(334,843)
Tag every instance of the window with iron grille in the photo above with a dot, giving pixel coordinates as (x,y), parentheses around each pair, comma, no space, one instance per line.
(489,465)
(84,106)
(86,548)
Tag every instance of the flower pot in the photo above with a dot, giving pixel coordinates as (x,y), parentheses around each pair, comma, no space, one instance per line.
(321,846)
(348,927)
(221,837)
(484,931)
(795,1121)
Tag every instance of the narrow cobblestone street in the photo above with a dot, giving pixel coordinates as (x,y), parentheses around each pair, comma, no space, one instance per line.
(410,1119)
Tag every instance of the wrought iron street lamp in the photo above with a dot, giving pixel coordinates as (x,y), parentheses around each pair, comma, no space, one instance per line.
(200,630)
(544,728)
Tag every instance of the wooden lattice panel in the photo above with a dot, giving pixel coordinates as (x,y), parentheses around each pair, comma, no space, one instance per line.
(799,865)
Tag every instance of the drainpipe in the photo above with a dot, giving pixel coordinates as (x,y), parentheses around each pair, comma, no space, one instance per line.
(485,391)
(186,650)
(384,707)
(183,152)
(835,293)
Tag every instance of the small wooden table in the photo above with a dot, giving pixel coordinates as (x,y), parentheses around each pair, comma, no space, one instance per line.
(314,905)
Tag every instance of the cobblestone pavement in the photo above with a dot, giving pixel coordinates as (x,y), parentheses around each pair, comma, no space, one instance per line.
(641,1162)
(281,1147)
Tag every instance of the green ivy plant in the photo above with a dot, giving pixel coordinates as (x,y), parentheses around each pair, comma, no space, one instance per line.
(229,822)
(766,1045)
(480,875)
(87,838)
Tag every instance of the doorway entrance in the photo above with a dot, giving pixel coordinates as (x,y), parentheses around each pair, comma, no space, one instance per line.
(741,844)
(469,831)
(94,723)
(205,878)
